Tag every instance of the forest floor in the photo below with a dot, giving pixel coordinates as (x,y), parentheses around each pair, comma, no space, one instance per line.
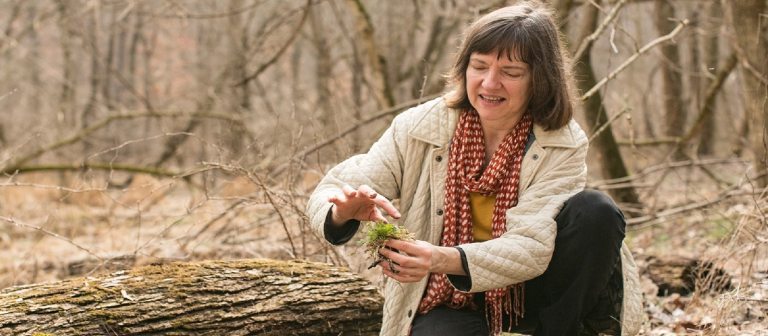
(49,232)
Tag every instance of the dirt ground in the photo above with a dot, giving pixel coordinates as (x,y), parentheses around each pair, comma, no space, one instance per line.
(49,232)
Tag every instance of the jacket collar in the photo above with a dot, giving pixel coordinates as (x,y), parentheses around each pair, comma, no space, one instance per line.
(437,125)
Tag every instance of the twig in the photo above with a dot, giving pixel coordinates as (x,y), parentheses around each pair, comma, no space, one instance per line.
(642,222)
(392,110)
(186,16)
(52,187)
(74,138)
(93,166)
(15,222)
(130,142)
(267,192)
(634,142)
(678,164)
(282,49)
(586,42)
(707,108)
(633,58)
(607,123)
(211,222)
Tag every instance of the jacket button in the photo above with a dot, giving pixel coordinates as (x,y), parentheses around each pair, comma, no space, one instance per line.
(410,312)
(439,212)
(438,158)
(535,156)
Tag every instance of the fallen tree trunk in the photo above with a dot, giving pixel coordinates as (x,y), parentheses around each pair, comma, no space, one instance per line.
(676,274)
(241,297)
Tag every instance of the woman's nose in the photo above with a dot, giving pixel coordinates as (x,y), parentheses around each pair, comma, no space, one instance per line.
(491,80)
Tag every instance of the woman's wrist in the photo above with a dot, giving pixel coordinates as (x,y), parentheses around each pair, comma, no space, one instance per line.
(446,260)
(335,219)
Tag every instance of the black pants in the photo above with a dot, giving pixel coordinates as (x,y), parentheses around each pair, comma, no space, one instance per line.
(584,269)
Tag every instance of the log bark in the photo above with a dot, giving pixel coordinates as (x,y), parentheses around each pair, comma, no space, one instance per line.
(241,297)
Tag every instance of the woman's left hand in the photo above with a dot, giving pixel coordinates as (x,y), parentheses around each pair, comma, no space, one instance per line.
(411,264)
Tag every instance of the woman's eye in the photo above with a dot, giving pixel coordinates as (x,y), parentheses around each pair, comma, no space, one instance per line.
(513,75)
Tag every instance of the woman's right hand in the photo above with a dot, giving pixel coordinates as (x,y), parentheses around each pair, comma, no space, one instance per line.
(362,204)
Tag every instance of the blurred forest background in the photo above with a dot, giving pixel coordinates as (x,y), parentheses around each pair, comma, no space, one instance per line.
(140,131)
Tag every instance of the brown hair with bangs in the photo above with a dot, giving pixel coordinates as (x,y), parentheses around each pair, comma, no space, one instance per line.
(524,32)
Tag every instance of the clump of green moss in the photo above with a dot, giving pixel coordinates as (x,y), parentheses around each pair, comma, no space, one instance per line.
(376,233)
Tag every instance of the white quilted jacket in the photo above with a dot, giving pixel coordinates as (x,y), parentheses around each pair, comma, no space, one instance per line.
(409,163)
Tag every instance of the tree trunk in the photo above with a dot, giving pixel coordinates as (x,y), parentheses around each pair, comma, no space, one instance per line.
(750,43)
(241,297)
(671,78)
(612,164)
(89,111)
(710,43)
(67,103)
(377,62)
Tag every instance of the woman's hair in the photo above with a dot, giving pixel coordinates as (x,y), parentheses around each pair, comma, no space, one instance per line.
(524,32)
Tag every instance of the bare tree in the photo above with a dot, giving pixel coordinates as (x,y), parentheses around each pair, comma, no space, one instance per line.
(710,49)
(751,44)
(612,163)
(671,76)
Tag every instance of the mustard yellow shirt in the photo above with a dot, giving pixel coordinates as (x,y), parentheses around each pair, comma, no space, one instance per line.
(482,215)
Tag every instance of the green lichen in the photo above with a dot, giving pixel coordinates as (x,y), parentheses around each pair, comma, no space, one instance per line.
(376,233)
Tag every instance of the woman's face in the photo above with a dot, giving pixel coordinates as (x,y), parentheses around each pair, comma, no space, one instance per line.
(498,88)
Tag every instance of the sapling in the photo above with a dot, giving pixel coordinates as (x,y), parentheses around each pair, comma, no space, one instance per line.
(376,233)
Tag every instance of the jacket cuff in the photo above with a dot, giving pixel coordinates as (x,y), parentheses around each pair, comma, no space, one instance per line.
(338,235)
(461,282)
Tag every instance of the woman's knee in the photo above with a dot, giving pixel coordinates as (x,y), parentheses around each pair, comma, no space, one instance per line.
(593,211)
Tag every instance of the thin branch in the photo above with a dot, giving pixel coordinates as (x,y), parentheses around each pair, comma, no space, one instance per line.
(185,16)
(267,192)
(663,167)
(642,222)
(393,110)
(649,142)
(282,49)
(587,42)
(212,221)
(49,187)
(633,58)
(15,222)
(607,123)
(92,166)
(707,108)
(72,139)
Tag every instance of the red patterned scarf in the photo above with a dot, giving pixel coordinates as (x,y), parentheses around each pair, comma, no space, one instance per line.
(465,175)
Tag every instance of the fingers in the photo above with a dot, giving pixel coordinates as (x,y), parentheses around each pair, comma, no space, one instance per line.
(380,201)
(367,191)
(363,203)
(403,246)
(348,191)
(387,206)
(408,267)
(401,277)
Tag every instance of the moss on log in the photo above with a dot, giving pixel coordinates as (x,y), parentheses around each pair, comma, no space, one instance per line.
(241,297)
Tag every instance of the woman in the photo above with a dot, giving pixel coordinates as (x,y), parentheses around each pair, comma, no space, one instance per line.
(490,179)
